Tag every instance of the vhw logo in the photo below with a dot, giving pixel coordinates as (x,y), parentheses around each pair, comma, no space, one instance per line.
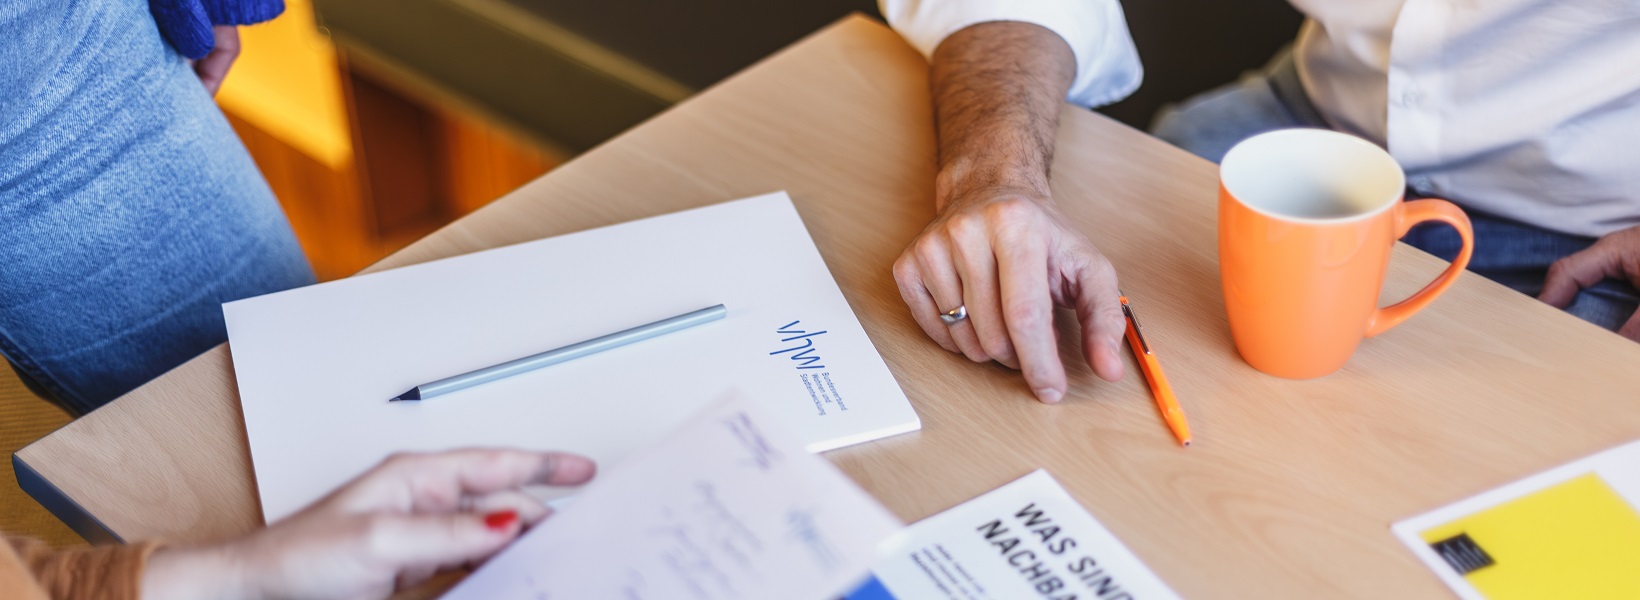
(803,353)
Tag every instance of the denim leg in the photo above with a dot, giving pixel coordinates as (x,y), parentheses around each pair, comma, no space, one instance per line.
(1518,255)
(1210,123)
(131,211)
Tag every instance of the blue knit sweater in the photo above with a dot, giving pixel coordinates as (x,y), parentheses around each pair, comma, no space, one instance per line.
(186,24)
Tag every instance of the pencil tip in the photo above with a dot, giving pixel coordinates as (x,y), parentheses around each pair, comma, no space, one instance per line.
(413,394)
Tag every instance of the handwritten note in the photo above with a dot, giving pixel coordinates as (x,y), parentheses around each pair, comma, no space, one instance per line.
(727,507)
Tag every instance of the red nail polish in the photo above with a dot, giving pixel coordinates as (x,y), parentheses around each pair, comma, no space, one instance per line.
(501,520)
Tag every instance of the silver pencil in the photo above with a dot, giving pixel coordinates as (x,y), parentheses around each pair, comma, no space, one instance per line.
(558,355)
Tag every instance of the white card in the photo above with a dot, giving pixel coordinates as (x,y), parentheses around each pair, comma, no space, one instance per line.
(316,365)
(1027,539)
(728,507)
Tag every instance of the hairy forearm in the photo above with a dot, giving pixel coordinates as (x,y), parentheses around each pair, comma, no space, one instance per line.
(997,91)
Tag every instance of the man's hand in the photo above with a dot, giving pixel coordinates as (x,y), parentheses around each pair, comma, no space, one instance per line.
(999,246)
(1009,258)
(393,527)
(1616,256)
(213,68)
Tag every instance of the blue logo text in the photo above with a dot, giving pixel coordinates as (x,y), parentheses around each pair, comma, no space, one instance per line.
(803,352)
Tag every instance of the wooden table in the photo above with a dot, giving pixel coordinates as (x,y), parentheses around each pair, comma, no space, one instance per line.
(1288,492)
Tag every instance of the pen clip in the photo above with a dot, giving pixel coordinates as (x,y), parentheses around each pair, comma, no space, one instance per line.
(1138,331)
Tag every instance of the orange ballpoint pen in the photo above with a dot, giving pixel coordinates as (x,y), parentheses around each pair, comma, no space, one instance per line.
(1159,387)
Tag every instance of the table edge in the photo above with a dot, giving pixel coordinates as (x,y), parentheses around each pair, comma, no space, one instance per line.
(60,505)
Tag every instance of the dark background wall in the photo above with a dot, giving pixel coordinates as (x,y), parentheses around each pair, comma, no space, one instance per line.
(532,81)
(1188,46)
(697,42)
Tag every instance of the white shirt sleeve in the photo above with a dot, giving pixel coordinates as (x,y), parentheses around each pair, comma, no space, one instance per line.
(1107,64)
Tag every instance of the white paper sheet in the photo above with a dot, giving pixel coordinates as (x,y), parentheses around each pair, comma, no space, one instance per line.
(1027,539)
(727,507)
(316,365)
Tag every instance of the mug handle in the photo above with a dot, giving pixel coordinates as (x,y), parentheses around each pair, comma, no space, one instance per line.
(1412,213)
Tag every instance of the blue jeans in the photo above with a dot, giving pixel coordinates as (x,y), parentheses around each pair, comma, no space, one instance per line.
(1509,252)
(129,211)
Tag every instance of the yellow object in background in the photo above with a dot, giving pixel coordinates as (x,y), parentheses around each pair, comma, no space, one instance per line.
(287,84)
(1578,539)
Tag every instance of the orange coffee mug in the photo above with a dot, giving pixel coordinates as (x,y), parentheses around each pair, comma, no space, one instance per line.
(1307,219)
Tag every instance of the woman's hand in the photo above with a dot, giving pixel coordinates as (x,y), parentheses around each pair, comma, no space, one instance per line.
(213,67)
(405,520)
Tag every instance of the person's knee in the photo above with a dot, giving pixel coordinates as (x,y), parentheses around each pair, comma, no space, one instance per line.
(1212,122)
(1609,304)
(1171,125)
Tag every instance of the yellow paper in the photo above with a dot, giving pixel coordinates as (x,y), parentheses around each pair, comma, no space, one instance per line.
(1576,539)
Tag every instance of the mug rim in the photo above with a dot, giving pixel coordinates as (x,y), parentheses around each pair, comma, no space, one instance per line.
(1330,136)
